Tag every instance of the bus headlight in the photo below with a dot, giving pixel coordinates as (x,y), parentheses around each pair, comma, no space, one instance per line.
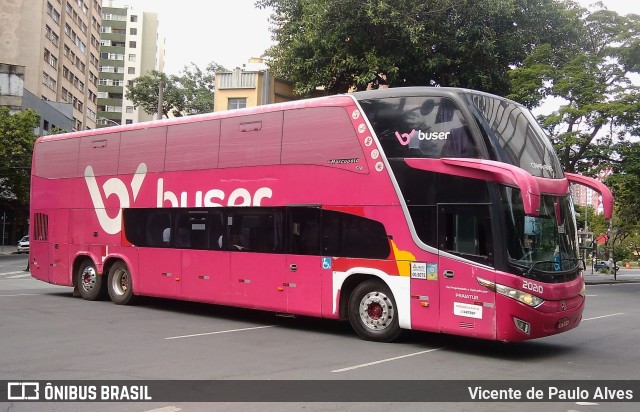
(523,297)
(583,291)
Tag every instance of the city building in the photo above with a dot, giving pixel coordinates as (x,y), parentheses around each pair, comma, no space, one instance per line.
(57,43)
(250,85)
(130,47)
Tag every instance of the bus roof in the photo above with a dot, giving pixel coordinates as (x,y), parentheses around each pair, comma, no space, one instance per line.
(335,100)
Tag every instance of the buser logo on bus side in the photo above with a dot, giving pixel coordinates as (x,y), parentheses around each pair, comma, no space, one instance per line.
(114,186)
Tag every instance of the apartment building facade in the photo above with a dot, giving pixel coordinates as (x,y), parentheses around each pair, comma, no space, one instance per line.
(57,42)
(250,85)
(130,47)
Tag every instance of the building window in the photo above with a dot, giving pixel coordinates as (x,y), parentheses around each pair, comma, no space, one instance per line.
(237,103)
(131,70)
(132,57)
(132,44)
(128,121)
(129,109)
(133,31)
(134,18)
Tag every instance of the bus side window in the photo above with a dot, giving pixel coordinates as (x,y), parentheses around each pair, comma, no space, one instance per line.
(216,230)
(257,230)
(157,223)
(192,229)
(304,231)
(353,236)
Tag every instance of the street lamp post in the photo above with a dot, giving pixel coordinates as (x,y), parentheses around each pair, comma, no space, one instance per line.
(613,232)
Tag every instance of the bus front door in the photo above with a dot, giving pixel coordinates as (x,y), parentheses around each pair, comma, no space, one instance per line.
(465,254)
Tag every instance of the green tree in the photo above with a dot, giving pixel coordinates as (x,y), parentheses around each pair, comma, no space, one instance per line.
(355,44)
(145,91)
(190,92)
(16,148)
(600,105)
(197,88)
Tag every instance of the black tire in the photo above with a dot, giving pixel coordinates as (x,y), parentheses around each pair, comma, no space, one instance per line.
(120,284)
(372,312)
(90,283)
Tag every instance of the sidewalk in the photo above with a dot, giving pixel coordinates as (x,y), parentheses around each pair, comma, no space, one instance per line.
(8,250)
(624,276)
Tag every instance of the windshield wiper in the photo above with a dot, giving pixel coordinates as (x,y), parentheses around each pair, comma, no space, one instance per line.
(553,262)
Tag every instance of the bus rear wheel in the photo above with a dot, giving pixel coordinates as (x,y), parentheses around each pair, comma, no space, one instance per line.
(89,282)
(120,284)
(372,312)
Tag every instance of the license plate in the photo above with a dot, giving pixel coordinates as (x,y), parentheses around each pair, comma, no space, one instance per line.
(562,323)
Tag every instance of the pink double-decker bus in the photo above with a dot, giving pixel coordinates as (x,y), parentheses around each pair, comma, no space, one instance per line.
(434,209)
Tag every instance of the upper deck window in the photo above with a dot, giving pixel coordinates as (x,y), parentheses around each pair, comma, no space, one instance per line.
(420,126)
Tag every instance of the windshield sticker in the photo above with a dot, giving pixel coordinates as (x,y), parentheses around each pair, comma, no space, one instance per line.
(379,166)
(418,270)
(375,154)
(355,114)
(368,141)
(405,138)
(432,271)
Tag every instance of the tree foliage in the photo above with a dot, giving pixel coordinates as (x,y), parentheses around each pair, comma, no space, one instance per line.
(16,147)
(355,44)
(190,92)
(600,104)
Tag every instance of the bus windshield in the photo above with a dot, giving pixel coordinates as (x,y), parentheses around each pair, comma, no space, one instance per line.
(514,135)
(544,243)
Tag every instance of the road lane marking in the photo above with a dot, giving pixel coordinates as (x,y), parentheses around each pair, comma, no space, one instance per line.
(219,332)
(19,272)
(21,294)
(21,276)
(604,316)
(166,409)
(364,365)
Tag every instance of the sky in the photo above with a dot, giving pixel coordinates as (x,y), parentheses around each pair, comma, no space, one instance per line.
(229,32)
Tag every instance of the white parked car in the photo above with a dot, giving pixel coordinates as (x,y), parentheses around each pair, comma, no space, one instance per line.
(23,245)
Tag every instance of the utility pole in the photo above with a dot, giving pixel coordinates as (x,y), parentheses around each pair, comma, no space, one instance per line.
(4,220)
(160,97)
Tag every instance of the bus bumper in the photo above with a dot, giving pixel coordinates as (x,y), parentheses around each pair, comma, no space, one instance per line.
(517,322)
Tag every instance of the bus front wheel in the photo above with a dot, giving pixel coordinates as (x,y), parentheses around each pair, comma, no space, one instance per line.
(89,282)
(120,284)
(372,312)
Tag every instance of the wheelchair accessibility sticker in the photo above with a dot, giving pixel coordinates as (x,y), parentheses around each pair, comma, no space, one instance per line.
(326,263)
